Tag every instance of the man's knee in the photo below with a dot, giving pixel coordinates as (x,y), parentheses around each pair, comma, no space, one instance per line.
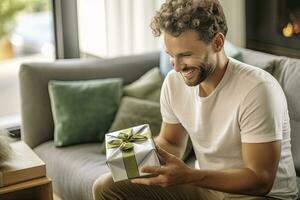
(101,186)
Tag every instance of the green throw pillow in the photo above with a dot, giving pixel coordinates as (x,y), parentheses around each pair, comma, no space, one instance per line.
(146,87)
(83,110)
(133,112)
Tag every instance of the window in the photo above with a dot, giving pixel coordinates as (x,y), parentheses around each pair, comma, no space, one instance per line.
(110,28)
(26,35)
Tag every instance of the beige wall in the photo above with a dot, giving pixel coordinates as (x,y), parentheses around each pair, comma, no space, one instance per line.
(236,20)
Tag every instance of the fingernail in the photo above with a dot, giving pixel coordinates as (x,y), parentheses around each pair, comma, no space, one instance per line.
(144,169)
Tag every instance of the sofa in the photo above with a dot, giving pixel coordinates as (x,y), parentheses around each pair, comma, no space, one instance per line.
(73,169)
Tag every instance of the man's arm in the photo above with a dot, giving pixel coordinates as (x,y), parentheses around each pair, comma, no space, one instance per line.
(256,178)
(172,138)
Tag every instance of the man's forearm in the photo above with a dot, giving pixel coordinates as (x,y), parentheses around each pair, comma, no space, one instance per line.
(239,181)
(169,147)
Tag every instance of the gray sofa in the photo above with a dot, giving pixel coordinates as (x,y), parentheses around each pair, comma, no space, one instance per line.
(73,169)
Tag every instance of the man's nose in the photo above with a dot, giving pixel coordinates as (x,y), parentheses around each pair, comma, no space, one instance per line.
(177,65)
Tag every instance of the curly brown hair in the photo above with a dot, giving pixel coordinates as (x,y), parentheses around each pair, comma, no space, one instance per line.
(206,17)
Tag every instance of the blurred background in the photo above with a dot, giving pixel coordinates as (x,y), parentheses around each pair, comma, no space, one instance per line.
(48,30)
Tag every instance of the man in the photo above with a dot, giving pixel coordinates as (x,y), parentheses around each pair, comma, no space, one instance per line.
(235,114)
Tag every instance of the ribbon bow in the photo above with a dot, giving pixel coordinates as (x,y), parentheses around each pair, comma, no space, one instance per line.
(125,140)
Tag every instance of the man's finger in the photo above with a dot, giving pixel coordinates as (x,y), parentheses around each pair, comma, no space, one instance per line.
(153,170)
(147,181)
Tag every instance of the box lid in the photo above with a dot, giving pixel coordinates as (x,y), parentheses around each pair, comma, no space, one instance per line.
(23,165)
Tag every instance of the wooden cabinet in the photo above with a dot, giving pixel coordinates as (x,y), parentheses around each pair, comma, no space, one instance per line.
(35,189)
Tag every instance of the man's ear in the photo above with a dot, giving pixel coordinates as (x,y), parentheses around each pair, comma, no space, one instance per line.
(218,42)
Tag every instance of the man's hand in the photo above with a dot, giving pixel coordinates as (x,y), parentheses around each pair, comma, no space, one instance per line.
(174,172)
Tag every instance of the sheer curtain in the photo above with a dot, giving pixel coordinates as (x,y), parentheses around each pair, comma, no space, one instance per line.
(109,28)
(128,26)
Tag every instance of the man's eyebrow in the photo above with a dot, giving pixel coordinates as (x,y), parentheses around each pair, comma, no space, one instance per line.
(180,54)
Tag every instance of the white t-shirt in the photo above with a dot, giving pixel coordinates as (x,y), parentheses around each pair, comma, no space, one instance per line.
(248,106)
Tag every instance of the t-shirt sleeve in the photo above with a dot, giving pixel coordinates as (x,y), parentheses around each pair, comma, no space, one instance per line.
(166,110)
(263,114)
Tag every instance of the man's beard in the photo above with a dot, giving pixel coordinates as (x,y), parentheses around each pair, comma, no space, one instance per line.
(204,71)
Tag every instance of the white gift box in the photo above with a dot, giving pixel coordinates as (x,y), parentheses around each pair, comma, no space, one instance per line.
(129,150)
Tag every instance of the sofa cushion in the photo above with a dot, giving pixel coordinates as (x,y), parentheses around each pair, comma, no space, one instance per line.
(83,110)
(146,87)
(73,169)
(259,59)
(164,63)
(287,72)
(232,51)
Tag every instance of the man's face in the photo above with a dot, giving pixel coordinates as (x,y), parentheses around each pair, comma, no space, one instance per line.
(191,57)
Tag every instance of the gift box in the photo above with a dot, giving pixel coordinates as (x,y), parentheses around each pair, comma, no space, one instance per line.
(128,151)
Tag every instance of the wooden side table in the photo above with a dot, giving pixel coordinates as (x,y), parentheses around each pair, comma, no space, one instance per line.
(35,189)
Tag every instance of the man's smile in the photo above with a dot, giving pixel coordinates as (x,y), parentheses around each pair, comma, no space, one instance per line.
(189,73)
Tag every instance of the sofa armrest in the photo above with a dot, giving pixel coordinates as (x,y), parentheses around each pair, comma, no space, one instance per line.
(37,121)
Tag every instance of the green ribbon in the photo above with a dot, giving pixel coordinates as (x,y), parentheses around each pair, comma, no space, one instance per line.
(124,140)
